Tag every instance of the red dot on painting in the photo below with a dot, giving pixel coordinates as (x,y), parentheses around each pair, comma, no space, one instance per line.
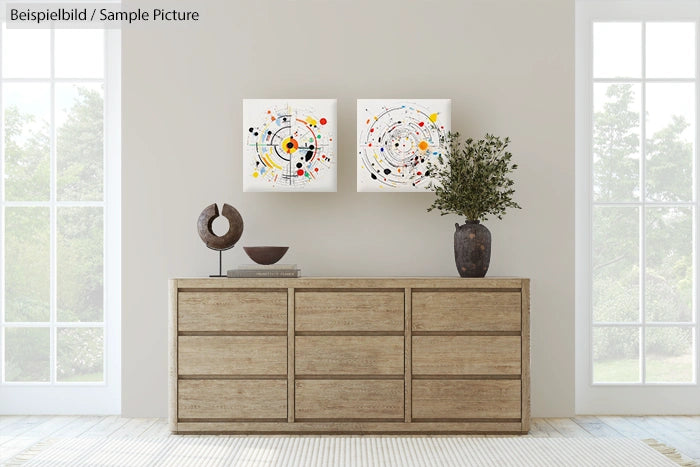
(370,144)
(316,169)
(442,127)
(323,121)
(371,130)
(323,156)
(421,124)
(419,173)
(300,172)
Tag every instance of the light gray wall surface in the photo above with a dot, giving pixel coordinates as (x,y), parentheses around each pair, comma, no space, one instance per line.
(508,67)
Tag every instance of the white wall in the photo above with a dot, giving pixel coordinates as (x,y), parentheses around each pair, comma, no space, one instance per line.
(508,67)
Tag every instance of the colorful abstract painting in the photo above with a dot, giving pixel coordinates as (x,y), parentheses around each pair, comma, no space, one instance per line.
(289,145)
(396,138)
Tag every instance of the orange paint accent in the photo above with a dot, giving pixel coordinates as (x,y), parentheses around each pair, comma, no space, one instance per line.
(423,145)
(273,118)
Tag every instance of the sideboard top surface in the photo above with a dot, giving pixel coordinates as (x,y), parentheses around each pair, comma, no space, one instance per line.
(352,282)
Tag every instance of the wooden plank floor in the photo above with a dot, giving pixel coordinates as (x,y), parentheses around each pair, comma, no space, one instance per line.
(18,433)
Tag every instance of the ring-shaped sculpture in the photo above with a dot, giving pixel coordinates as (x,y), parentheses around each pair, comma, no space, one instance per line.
(220,242)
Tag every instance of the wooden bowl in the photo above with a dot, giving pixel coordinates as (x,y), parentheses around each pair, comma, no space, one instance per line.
(265,254)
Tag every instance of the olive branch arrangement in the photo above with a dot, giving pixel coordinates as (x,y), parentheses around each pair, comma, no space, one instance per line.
(472,178)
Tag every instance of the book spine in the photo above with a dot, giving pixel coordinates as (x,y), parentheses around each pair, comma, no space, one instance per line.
(267,267)
(255,273)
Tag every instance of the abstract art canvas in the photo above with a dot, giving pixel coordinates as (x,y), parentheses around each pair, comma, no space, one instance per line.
(289,145)
(396,138)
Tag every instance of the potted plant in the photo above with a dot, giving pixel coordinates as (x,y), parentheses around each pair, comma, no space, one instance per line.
(472,180)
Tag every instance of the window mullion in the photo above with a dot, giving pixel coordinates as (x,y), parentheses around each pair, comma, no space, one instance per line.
(55,80)
(642,212)
(696,180)
(2,225)
(53,217)
(105,190)
(639,80)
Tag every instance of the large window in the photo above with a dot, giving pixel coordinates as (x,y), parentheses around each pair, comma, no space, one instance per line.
(59,218)
(636,198)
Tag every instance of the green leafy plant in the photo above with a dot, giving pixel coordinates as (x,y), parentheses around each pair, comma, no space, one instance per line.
(472,178)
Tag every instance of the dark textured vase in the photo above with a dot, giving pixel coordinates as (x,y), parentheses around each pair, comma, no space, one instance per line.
(472,249)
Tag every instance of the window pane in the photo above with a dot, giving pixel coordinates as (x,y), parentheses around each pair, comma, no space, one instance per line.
(27,264)
(79,53)
(27,141)
(615,264)
(669,355)
(615,355)
(616,148)
(79,264)
(27,354)
(26,53)
(80,354)
(670,140)
(670,50)
(669,265)
(617,50)
(79,145)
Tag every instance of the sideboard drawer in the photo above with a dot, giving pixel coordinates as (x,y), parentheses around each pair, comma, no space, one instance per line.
(349,311)
(232,311)
(466,311)
(466,355)
(232,355)
(349,399)
(226,399)
(349,355)
(454,399)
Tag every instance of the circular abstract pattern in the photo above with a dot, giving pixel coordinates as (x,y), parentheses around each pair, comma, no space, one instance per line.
(396,143)
(291,146)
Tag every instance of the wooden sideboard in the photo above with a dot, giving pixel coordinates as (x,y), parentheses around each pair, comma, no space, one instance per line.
(350,355)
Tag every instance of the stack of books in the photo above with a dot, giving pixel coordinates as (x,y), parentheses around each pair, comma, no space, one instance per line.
(260,270)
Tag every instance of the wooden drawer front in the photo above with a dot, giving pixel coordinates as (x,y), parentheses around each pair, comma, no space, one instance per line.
(349,399)
(228,399)
(446,399)
(349,355)
(348,311)
(466,355)
(232,355)
(232,311)
(466,311)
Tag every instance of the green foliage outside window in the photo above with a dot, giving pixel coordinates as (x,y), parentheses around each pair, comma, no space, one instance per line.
(668,262)
(79,241)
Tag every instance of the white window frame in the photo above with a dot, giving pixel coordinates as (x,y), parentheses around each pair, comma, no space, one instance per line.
(80,398)
(627,398)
